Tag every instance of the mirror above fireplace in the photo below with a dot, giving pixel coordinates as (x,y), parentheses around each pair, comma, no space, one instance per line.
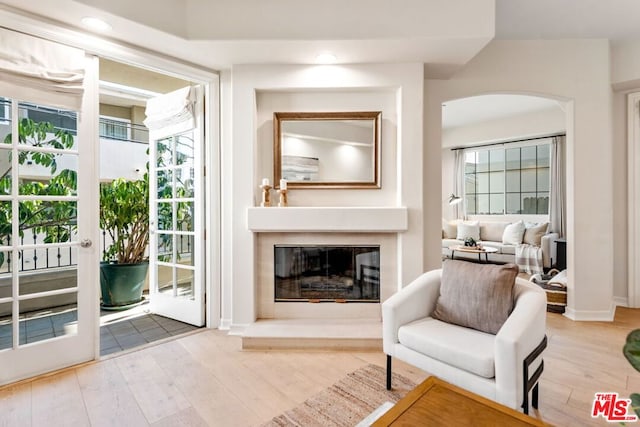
(327,149)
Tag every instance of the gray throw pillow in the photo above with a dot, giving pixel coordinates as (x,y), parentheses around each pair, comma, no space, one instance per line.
(533,233)
(477,296)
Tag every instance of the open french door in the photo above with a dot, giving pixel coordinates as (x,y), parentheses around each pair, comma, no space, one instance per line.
(176,197)
(48,223)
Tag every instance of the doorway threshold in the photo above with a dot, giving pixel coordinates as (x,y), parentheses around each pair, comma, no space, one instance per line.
(135,327)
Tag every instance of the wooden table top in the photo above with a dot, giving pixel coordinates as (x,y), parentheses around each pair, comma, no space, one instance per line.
(475,250)
(437,403)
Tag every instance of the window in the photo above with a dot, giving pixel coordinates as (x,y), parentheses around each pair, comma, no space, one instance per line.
(508,180)
(115,128)
(60,119)
(5,109)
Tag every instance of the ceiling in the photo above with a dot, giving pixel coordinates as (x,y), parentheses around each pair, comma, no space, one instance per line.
(442,34)
(616,20)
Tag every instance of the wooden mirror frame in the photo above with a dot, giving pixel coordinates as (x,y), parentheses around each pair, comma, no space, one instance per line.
(278,118)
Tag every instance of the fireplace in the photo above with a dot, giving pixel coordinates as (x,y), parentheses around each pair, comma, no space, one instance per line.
(327,273)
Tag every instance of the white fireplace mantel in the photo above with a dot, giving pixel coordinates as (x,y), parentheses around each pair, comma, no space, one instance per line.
(327,219)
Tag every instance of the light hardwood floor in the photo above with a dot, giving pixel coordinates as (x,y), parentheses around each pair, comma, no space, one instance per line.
(206,379)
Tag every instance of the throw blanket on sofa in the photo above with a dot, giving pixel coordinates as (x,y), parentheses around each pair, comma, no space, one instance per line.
(529,258)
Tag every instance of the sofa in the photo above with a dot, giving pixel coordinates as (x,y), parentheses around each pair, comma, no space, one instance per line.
(502,235)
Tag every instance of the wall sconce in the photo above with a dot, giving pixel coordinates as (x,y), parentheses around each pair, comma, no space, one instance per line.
(454,200)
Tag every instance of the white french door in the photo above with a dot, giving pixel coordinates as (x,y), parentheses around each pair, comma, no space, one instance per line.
(176,198)
(48,219)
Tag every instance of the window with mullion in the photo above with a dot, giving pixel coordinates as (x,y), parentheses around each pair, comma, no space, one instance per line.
(508,180)
(470,161)
(5,109)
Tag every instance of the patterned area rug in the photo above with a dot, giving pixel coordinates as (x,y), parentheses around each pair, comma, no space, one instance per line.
(348,401)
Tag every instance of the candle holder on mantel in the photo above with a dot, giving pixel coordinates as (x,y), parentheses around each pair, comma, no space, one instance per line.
(266,195)
(283,198)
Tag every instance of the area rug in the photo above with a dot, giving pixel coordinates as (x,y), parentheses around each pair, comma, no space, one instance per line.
(348,401)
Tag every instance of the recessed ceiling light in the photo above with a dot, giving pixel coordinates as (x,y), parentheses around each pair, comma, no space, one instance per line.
(326,58)
(95,24)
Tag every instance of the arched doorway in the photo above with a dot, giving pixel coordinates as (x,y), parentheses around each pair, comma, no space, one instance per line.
(503,161)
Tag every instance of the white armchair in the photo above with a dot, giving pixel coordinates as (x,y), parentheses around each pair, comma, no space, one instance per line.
(494,366)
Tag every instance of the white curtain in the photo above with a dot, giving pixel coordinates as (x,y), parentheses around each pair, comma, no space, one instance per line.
(557,197)
(458,183)
(173,111)
(49,72)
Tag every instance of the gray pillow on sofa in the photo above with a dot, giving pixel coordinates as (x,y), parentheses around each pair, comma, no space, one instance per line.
(477,296)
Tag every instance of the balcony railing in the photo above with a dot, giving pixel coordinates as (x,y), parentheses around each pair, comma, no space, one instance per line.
(48,258)
(123,131)
(42,258)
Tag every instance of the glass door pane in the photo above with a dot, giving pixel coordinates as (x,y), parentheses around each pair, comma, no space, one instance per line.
(177,201)
(45,285)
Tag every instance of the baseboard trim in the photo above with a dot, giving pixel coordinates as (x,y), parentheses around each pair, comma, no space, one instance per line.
(225,324)
(238,329)
(621,301)
(591,315)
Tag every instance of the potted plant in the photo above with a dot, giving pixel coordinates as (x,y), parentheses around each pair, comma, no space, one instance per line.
(631,351)
(124,217)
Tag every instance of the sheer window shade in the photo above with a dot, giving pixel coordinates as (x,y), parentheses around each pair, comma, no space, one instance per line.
(45,71)
(174,110)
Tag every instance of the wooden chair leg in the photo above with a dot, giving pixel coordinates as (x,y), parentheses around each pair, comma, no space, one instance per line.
(388,372)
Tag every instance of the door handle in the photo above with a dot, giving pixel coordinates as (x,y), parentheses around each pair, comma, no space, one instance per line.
(86,243)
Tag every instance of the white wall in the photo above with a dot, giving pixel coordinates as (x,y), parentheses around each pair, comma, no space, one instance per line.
(243,150)
(625,70)
(625,65)
(120,159)
(532,124)
(577,72)
(620,198)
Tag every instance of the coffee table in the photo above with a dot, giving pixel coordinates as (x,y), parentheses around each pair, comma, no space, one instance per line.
(437,403)
(486,250)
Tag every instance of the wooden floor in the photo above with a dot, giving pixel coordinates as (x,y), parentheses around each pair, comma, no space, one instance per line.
(206,379)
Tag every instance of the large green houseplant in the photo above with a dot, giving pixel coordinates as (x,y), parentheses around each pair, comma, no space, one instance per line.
(631,351)
(124,217)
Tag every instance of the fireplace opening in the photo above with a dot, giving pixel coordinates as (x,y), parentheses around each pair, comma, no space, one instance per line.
(327,273)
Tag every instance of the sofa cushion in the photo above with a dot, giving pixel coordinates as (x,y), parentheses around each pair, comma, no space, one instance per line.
(478,296)
(447,243)
(451,344)
(468,229)
(508,249)
(449,229)
(513,233)
(533,233)
(492,231)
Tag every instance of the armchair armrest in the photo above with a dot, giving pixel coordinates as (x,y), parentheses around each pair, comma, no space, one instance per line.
(520,335)
(414,301)
(548,248)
